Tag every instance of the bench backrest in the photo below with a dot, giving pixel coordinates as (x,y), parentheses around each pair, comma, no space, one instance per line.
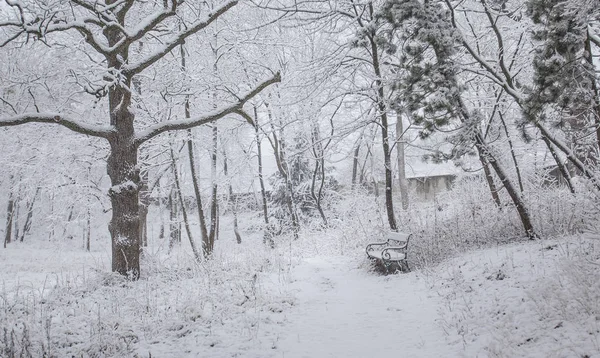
(400,237)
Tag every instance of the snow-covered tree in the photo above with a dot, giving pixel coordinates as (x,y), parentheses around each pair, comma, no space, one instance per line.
(108,31)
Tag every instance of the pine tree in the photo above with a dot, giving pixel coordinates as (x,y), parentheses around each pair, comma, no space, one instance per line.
(427,83)
(565,80)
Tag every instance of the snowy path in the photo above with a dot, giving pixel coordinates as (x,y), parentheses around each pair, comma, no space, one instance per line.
(342,311)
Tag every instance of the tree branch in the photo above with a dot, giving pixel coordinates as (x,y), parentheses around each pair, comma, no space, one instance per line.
(57,118)
(236,108)
(178,39)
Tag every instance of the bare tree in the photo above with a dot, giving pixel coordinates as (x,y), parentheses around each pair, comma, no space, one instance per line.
(107,29)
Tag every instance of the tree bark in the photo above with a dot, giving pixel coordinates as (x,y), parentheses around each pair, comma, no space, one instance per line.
(124,226)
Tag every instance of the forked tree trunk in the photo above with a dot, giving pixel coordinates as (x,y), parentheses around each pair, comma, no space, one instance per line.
(484,150)
(29,217)
(186,221)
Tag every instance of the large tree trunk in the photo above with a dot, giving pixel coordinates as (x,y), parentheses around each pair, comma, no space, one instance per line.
(124,226)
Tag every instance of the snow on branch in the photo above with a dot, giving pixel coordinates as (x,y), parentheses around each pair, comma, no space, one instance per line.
(236,108)
(132,69)
(57,118)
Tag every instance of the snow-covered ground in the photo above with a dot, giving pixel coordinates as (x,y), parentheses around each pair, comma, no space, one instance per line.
(342,310)
(527,299)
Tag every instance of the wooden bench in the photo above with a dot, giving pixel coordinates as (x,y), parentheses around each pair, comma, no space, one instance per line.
(391,254)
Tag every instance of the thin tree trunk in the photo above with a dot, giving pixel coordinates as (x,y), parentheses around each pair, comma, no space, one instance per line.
(9,220)
(267,236)
(184,210)
(233,200)
(280,159)
(174,232)
(29,217)
(517,200)
(319,170)
(16,212)
(261,180)
(144,196)
(590,60)
(214,199)
(382,108)
(489,178)
(561,166)
(195,182)
(89,231)
(512,151)
(402,182)
(355,164)
(196,185)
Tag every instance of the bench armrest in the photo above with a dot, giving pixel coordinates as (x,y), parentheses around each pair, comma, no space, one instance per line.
(394,253)
(377,246)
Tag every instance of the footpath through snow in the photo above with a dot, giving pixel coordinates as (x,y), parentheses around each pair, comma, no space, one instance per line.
(343,311)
